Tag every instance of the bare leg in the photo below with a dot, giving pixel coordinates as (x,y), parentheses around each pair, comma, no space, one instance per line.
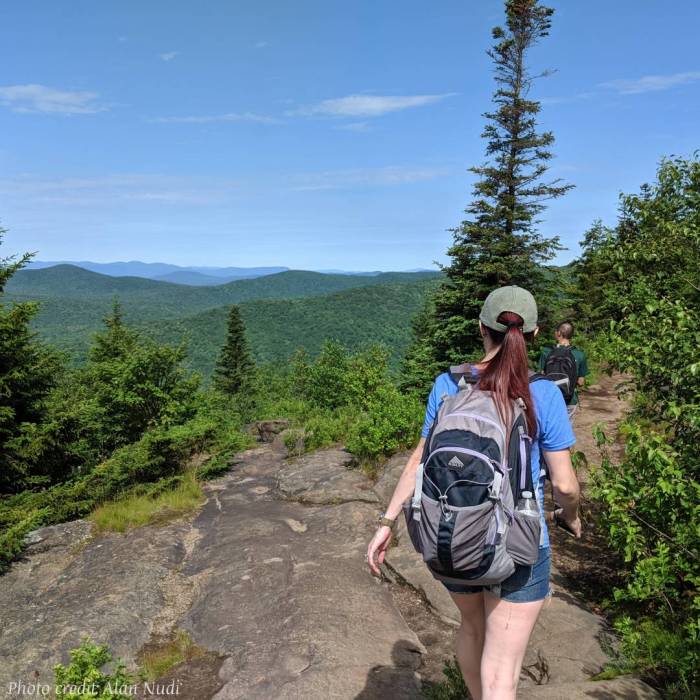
(508,629)
(470,639)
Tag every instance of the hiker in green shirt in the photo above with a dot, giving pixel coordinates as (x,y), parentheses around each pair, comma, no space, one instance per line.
(563,336)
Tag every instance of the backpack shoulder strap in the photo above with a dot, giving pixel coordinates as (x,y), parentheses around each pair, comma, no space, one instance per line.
(462,375)
(535,376)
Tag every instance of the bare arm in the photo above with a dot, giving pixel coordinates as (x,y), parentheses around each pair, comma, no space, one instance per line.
(565,484)
(376,550)
(406,483)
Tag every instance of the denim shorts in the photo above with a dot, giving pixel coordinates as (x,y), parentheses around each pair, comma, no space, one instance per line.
(524,585)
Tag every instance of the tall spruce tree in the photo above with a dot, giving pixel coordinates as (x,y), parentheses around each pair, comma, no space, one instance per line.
(28,371)
(498,243)
(234,370)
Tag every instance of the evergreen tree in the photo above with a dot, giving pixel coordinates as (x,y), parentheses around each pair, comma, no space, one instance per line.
(132,384)
(234,370)
(28,370)
(594,305)
(116,340)
(419,366)
(498,244)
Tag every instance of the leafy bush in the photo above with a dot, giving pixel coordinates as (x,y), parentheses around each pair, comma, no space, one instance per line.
(83,678)
(662,653)
(159,454)
(391,421)
(326,380)
(651,499)
(343,397)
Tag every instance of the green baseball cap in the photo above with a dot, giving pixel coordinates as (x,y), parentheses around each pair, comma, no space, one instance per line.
(515,299)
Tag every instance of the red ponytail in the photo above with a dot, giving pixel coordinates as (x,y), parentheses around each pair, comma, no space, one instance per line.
(506,374)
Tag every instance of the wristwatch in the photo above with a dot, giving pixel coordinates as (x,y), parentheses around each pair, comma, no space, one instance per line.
(389,522)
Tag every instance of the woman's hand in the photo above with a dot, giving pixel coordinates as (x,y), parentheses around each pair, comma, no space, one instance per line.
(574,526)
(378,546)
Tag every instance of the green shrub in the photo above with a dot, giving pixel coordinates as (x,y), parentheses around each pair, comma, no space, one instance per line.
(390,421)
(294,442)
(326,383)
(643,276)
(159,454)
(84,679)
(649,648)
(452,688)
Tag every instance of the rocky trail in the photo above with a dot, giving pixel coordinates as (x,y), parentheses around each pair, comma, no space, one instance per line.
(269,581)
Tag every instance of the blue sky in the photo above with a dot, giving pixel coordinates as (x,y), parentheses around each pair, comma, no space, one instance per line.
(316,133)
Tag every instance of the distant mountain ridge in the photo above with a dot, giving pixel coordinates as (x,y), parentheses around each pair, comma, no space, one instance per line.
(189,274)
(161,299)
(282,311)
(157,270)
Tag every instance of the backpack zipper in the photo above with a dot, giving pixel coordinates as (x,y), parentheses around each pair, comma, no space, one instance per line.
(476,416)
(523,457)
(442,498)
(466,450)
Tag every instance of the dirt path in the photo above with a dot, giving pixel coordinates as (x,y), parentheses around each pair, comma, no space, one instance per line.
(587,567)
(599,403)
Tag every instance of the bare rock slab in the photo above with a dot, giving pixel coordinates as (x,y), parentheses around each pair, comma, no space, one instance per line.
(389,476)
(409,566)
(622,688)
(274,588)
(68,585)
(288,597)
(325,476)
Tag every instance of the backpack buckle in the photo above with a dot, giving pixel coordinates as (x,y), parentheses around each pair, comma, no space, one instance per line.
(443,507)
(495,488)
(417,493)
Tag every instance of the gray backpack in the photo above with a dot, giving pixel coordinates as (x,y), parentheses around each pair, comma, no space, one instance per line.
(468,516)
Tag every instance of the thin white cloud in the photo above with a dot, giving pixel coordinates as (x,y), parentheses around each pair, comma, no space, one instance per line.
(262,44)
(567,98)
(212,118)
(365,177)
(369,105)
(167,56)
(33,98)
(354,126)
(116,190)
(651,83)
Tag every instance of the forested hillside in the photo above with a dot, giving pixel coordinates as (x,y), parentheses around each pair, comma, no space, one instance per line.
(282,312)
(277,328)
(159,299)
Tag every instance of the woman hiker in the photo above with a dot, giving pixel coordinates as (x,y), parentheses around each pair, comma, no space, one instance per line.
(496,621)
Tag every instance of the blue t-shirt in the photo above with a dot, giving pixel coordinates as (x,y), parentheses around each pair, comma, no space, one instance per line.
(554,430)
